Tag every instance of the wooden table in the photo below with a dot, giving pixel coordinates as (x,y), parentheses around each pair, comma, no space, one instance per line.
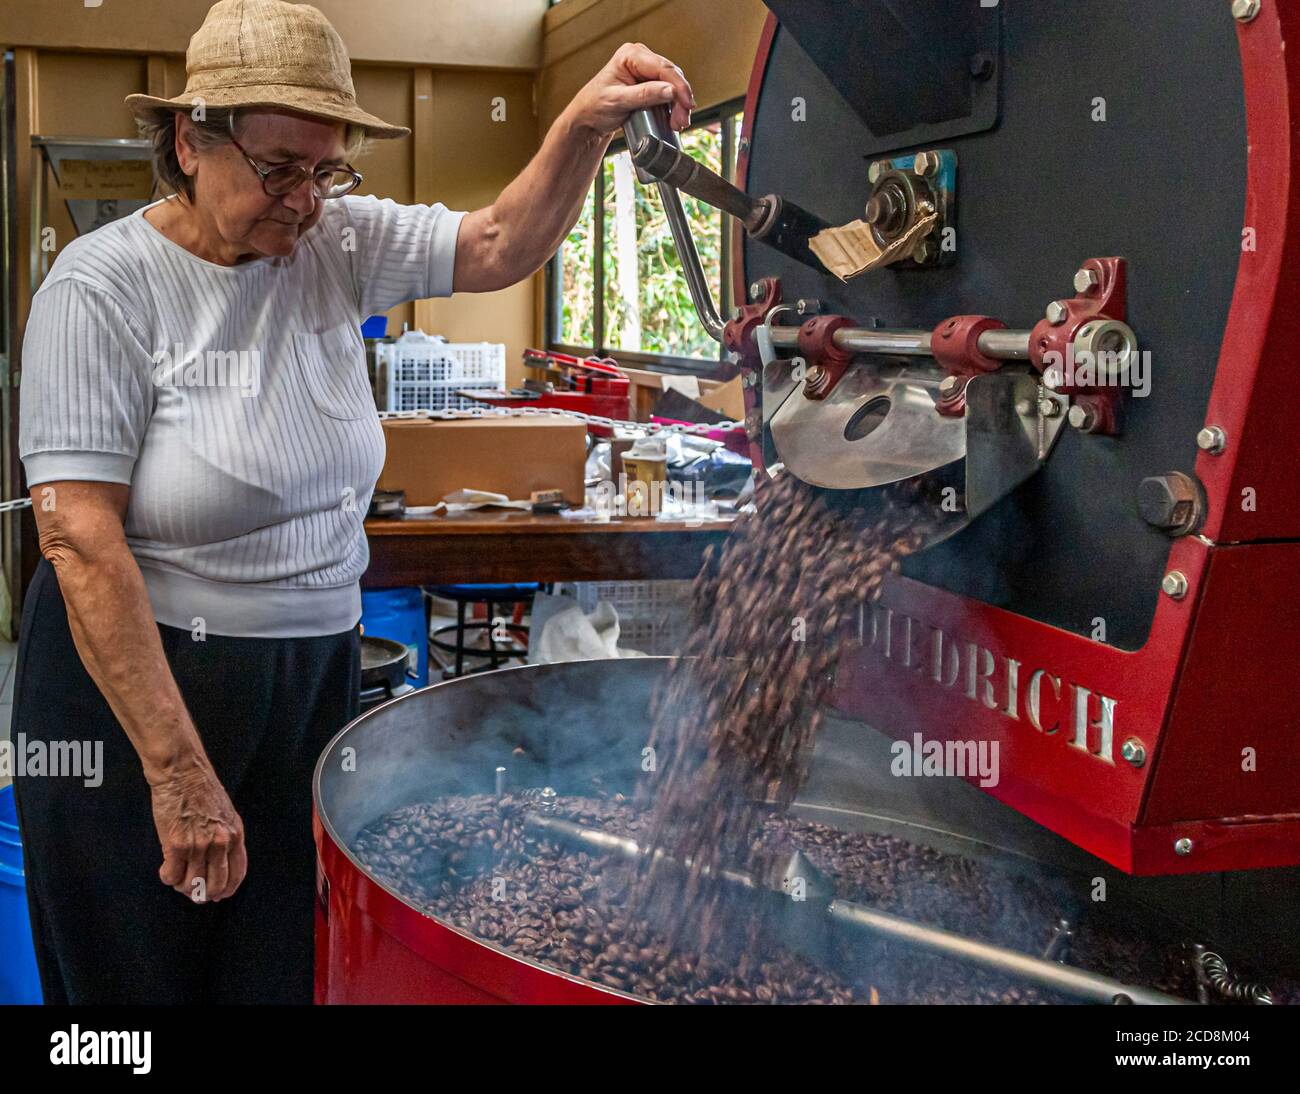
(498,546)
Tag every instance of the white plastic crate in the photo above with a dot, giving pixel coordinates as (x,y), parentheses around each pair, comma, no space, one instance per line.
(441,396)
(653,616)
(424,372)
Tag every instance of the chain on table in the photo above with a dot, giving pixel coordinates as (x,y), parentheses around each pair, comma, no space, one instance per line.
(559,412)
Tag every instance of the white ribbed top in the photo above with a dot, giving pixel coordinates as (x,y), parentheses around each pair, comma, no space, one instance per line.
(234,401)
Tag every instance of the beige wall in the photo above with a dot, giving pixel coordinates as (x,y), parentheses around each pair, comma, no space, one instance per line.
(713,42)
(466,158)
(459,33)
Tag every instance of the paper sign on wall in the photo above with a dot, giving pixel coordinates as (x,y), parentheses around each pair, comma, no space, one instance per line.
(105,180)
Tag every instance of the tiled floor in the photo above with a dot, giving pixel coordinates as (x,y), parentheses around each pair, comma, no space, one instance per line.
(8,654)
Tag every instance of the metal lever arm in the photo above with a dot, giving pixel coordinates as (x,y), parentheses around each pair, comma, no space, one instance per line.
(641,128)
(659,158)
(771,220)
(701,295)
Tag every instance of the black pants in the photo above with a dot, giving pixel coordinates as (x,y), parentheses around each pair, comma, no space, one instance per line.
(107,930)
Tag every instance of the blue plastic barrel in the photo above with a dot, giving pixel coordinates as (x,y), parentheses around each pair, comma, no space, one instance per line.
(398,614)
(19,982)
(375,327)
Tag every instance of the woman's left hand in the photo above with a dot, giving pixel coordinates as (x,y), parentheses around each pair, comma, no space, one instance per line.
(635,78)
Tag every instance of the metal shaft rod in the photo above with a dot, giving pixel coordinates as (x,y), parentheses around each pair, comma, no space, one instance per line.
(1049,974)
(651,139)
(701,294)
(1003,345)
(593,839)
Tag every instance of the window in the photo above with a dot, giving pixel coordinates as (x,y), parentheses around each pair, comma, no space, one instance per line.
(616,286)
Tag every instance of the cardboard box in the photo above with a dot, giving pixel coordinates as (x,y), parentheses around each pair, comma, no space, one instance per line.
(728,399)
(429,459)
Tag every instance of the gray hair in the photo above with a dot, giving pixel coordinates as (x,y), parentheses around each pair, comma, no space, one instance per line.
(212,131)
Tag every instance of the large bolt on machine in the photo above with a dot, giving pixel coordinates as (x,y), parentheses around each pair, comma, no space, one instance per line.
(1043,252)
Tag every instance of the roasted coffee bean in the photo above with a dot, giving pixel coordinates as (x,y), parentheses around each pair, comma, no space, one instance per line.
(604,943)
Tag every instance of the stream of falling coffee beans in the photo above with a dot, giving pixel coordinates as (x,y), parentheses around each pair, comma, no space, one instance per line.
(732,731)
(734,724)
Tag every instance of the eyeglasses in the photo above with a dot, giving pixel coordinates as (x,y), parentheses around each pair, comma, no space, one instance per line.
(329,182)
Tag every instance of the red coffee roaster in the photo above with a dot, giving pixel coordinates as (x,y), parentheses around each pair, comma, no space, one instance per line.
(1102,375)
(1093,351)
(595,386)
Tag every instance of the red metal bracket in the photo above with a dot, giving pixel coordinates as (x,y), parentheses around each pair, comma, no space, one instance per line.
(825,360)
(738,334)
(955,344)
(1050,343)
(738,337)
(1108,299)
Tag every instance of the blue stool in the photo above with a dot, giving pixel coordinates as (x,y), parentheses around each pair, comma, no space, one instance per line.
(493,596)
(19,982)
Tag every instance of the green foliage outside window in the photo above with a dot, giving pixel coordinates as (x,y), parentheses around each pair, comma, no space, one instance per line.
(578,262)
(647,305)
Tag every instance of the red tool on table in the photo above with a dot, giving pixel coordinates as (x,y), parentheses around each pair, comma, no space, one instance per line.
(590,386)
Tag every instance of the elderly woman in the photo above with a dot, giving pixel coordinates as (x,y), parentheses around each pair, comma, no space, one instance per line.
(201,445)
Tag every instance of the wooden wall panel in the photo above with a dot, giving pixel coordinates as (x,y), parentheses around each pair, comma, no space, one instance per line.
(388,166)
(468,159)
(714,44)
(174,75)
(83,93)
(499,34)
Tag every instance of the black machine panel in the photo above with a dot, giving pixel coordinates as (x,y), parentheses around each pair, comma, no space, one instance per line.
(1121,132)
(946,52)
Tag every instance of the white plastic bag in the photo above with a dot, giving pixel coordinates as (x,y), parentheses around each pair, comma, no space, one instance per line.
(572,635)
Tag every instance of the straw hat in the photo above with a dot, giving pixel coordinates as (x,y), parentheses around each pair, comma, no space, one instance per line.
(269,54)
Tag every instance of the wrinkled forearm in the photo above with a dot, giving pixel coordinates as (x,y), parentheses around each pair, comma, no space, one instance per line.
(117,638)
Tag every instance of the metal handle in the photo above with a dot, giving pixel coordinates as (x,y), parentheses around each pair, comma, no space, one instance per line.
(647,133)
(658,156)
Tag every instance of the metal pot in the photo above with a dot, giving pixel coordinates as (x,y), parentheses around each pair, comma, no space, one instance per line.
(385,668)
